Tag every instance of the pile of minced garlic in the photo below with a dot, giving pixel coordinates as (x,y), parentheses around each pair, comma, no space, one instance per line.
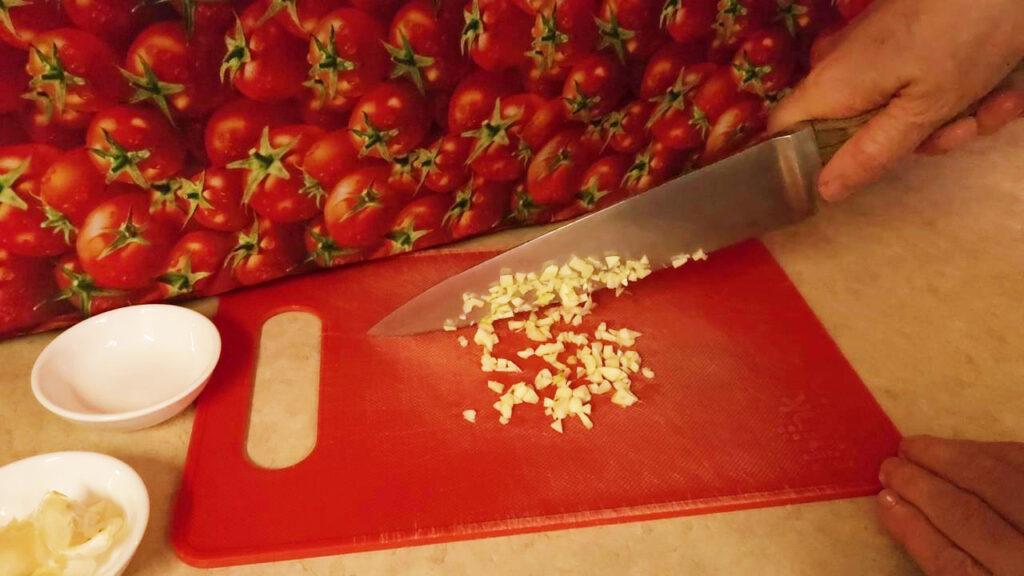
(579,365)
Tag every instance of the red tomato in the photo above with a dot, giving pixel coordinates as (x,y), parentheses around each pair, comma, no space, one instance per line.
(497,34)
(361,207)
(263,61)
(498,152)
(479,206)
(627,130)
(113,20)
(424,45)
(74,74)
(735,129)
(716,94)
(276,185)
(563,32)
(265,251)
(533,6)
(26,292)
(299,17)
(473,100)
(630,28)
(327,114)
(662,71)
(13,132)
(524,211)
(323,250)
(594,87)
(806,17)
(380,7)
(765,62)
(21,22)
(134,144)
(443,164)
(196,265)
(81,290)
(555,172)
(389,120)
(544,82)
(736,19)
(683,128)
(546,122)
(405,174)
(27,226)
(602,182)
(206,19)
(121,245)
(40,126)
(419,225)
(73,187)
(221,207)
(347,55)
(655,165)
(330,157)
(174,202)
(850,9)
(236,127)
(688,20)
(13,80)
(178,76)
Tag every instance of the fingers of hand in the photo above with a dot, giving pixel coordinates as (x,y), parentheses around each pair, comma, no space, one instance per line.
(962,517)
(891,135)
(999,109)
(827,92)
(997,482)
(949,137)
(932,550)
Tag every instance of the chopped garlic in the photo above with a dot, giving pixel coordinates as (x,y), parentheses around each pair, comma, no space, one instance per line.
(679,260)
(557,426)
(700,255)
(647,372)
(624,398)
(463,341)
(497,387)
(469,415)
(449,326)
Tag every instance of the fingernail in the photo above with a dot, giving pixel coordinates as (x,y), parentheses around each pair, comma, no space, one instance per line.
(888,498)
(882,477)
(831,189)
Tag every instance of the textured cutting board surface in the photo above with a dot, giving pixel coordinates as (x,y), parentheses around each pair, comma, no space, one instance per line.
(752,405)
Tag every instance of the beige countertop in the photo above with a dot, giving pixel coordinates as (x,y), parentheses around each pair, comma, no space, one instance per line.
(920,281)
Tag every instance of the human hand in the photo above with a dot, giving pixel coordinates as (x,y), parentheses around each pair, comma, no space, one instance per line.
(921,62)
(956,505)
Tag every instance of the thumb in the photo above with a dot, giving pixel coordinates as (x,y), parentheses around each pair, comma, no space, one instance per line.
(894,133)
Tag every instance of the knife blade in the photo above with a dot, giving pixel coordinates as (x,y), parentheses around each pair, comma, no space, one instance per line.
(768,186)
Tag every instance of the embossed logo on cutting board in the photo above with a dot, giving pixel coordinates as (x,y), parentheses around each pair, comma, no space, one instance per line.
(806,421)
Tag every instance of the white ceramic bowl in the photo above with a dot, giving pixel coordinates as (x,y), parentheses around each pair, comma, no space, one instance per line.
(128,368)
(81,476)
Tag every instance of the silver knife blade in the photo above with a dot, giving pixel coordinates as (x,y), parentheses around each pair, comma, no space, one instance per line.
(770,185)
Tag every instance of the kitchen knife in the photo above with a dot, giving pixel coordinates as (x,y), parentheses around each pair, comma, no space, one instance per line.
(768,186)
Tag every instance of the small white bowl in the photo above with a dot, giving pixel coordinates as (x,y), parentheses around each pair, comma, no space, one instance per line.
(84,477)
(128,368)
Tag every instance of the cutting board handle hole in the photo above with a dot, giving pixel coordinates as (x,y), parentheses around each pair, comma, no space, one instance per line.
(283,418)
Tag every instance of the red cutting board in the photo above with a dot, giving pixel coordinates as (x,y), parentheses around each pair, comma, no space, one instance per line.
(752,405)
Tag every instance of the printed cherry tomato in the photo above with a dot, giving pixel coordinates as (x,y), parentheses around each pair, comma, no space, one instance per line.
(716,93)
(478,207)
(544,82)
(627,130)
(825,42)
(13,80)
(207,20)
(498,152)
(424,45)
(299,17)
(121,245)
(265,251)
(134,144)
(602,182)
(221,206)
(27,226)
(276,185)
(263,61)
(327,114)
(662,71)
(533,6)
(74,74)
(73,186)
(734,129)
(81,290)
(330,157)
(554,174)
(27,291)
(235,128)
(419,225)
(629,28)
(736,19)
(653,166)
(765,62)
(563,32)
(473,100)
(547,121)
(682,128)
(196,266)
(689,20)
(177,76)
(497,34)
(346,56)
(806,17)
(174,202)
(390,120)
(21,22)
(850,9)
(113,20)
(594,87)
(39,125)
(361,207)
(323,250)
(443,165)
(524,211)
(379,7)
